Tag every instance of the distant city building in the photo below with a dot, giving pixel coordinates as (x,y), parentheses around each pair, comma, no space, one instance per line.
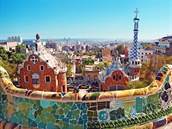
(165,41)
(60,55)
(78,47)
(106,55)
(144,54)
(163,45)
(8,45)
(55,46)
(106,52)
(156,61)
(17,39)
(42,71)
(90,75)
(78,62)
(24,50)
(169,50)
(126,52)
(87,48)
(160,49)
(107,58)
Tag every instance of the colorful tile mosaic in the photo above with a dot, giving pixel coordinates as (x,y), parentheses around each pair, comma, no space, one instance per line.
(150,106)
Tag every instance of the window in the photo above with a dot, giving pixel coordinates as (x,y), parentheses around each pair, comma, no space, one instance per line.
(35,78)
(28,67)
(63,87)
(42,68)
(120,88)
(47,79)
(117,77)
(114,77)
(26,79)
(34,59)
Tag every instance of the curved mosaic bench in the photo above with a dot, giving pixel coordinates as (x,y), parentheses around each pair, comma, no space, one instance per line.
(128,108)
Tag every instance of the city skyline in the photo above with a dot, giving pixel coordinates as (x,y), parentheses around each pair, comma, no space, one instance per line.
(85,19)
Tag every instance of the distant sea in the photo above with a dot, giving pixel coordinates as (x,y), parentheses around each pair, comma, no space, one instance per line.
(83,40)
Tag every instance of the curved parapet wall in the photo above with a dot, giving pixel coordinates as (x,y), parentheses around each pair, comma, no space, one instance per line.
(110,109)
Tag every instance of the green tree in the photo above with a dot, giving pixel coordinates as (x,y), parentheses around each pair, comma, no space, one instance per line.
(10,60)
(136,84)
(88,61)
(148,46)
(78,53)
(18,58)
(99,67)
(11,68)
(19,47)
(69,70)
(81,69)
(147,72)
(166,59)
(3,53)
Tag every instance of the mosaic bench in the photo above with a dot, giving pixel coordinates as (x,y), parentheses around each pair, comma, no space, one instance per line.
(148,107)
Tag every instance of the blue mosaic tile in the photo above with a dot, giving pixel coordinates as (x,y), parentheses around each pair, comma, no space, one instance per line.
(42,125)
(52,103)
(66,120)
(73,122)
(66,125)
(34,124)
(74,107)
(44,103)
(27,100)
(31,114)
(56,116)
(20,99)
(38,119)
(62,116)
(47,114)
(51,126)
(69,115)
(80,121)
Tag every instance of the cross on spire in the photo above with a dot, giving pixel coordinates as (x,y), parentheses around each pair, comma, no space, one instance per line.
(34,59)
(137,11)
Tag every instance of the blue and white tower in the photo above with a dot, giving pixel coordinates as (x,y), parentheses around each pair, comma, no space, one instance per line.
(134,51)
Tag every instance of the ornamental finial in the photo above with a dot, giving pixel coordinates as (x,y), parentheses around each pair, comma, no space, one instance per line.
(137,11)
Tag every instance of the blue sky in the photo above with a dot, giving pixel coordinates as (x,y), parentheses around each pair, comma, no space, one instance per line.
(85,18)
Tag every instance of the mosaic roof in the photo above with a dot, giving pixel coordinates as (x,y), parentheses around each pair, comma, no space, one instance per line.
(115,65)
(51,61)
